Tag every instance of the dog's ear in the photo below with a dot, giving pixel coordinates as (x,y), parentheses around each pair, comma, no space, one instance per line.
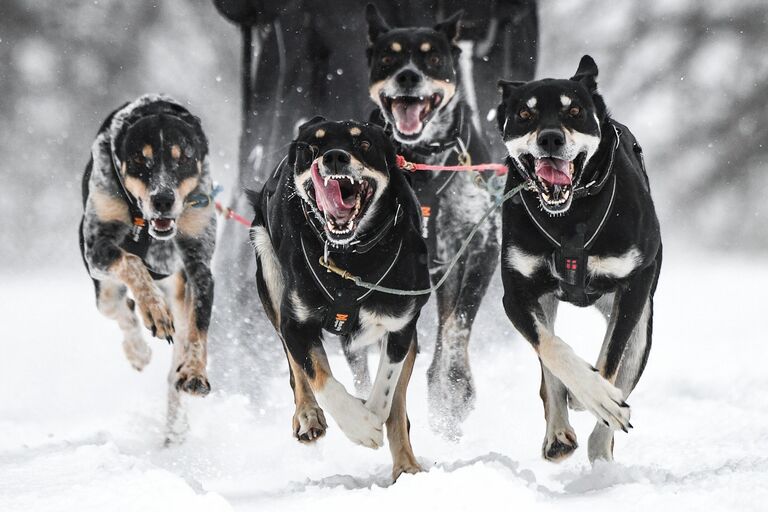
(587,73)
(307,124)
(451,26)
(506,87)
(300,155)
(376,24)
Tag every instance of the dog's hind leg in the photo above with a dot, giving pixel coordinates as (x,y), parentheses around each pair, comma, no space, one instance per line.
(560,439)
(450,389)
(113,302)
(398,424)
(451,386)
(625,349)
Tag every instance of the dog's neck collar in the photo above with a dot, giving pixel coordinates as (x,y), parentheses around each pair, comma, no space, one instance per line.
(359,245)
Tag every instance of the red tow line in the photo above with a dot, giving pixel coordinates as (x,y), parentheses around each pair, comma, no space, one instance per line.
(229,213)
(499,169)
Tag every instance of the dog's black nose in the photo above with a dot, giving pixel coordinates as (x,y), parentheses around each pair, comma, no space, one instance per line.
(162,201)
(336,159)
(551,140)
(408,78)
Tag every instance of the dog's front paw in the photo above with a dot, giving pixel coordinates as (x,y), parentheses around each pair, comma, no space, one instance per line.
(156,315)
(604,400)
(309,423)
(361,425)
(192,381)
(559,444)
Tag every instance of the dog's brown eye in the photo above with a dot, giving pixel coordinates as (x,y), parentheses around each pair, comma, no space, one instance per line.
(138,159)
(574,111)
(434,60)
(387,60)
(525,114)
(365,145)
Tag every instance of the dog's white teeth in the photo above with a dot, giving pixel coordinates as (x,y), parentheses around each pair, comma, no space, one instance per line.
(325,180)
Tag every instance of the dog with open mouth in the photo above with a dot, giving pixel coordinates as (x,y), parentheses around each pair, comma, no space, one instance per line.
(584,231)
(415,82)
(148,230)
(339,201)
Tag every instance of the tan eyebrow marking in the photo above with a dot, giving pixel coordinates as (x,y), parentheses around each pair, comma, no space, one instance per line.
(397,46)
(320,133)
(147,151)
(425,47)
(175,152)
(355,131)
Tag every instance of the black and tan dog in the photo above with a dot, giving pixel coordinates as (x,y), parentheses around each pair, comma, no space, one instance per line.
(415,81)
(586,232)
(149,229)
(339,195)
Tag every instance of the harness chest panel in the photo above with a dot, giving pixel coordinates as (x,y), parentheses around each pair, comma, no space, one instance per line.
(343,301)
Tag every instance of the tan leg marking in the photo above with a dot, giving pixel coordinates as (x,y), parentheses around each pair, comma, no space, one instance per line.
(190,376)
(308,422)
(154,310)
(403,459)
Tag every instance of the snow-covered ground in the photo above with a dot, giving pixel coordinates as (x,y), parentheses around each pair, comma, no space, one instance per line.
(81,431)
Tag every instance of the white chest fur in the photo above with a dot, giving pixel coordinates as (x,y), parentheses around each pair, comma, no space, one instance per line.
(373,326)
(614,266)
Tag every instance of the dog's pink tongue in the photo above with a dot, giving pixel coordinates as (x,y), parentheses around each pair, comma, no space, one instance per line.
(553,170)
(329,198)
(407,115)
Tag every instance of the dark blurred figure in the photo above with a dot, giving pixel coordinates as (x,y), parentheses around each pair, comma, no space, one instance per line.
(310,59)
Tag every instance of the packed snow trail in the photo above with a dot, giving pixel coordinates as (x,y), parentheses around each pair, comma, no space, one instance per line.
(81,430)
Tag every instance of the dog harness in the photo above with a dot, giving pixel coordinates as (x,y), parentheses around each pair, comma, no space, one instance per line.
(344,301)
(571,249)
(429,186)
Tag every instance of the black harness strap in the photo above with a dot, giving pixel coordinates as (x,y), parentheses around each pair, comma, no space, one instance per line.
(344,302)
(137,241)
